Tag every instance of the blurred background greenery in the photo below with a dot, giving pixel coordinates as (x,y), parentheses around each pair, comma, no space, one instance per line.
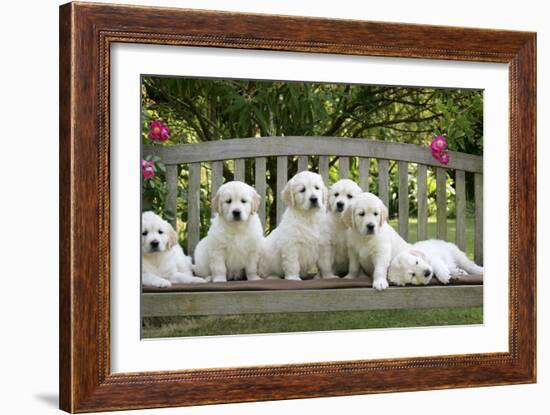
(199,110)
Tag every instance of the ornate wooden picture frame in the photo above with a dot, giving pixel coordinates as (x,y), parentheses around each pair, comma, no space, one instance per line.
(87,32)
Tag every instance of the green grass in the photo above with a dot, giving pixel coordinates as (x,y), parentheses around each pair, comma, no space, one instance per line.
(451,231)
(156,327)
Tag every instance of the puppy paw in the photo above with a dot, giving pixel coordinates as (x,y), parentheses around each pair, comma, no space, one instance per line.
(254,277)
(219,278)
(161,283)
(330,277)
(199,280)
(293,278)
(349,277)
(380,284)
(444,279)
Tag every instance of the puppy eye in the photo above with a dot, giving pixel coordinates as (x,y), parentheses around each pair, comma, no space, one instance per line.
(414,274)
(361,213)
(243,201)
(336,194)
(417,262)
(350,197)
(375,213)
(228,201)
(144,233)
(160,231)
(303,190)
(316,187)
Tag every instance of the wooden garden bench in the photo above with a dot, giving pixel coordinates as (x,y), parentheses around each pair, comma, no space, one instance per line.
(315,153)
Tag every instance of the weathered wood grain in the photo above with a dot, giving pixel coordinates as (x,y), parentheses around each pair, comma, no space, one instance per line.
(239,170)
(260,184)
(478,227)
(282,177)
(460,194)
(441,202)
(193,210)
(422,196)
(289,301)
(86,33)
(323,169)
(364,165)
(384,181)
(172,193)
(303,163)
(305,146)
(403,195)
(343,167)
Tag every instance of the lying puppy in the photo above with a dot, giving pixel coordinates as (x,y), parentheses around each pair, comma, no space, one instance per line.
(340,195)
(371,241)
(410,267)
(294,247)
(231,249)
(445,259)
(164,261)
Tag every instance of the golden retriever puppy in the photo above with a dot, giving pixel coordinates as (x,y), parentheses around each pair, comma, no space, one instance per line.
(443,258)
(295,247)
(340,195)
(231,249)
(163,260)
(371,241)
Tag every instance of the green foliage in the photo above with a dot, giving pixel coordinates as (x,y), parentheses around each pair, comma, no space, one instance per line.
(199,110)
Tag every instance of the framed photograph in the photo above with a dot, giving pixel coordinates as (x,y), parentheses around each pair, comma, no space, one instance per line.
(261,207)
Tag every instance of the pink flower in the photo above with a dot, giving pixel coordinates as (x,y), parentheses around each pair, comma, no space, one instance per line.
(439,143)
(158,131)
(147,169)
(441,156)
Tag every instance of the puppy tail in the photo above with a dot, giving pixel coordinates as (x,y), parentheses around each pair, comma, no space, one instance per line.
(464,262)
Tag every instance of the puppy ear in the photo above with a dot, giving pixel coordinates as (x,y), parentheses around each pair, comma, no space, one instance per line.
(172,237)
(347,217)
(287,195)
(256,200)
(419,254)
(383,214)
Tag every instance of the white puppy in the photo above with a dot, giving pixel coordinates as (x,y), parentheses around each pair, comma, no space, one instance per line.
(299,243)
(231,248)
(410,267)
(164,261)
(340,195)
(445,259)
(372,242)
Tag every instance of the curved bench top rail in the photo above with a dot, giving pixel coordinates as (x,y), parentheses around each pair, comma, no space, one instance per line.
(239,148)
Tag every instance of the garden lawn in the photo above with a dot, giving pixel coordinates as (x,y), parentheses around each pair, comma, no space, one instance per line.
(156,327)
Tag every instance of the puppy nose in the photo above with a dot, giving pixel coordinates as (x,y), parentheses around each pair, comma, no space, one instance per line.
(340,204)
(370,226)
(427,273)
(313,199)
(155,244)
(236,213)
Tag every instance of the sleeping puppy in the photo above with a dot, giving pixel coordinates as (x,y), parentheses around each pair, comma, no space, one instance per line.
(164,261)
(410,267)
(445,259)
(371,241)
(340,195)
(231,249)
(298,244)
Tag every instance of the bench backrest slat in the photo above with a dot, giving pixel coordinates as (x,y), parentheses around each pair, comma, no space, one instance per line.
(172,193)
(193,212)
(441,202)
(403,199)
(422,197)
(384,181)
(364,166)
(478,228)
(343,167)
(282,173)
(260,185)
(307,146)
(460,193)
